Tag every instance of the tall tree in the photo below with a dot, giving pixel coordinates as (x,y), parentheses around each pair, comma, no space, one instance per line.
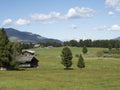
(5,50)
(80,63)
(16,48)
(66,57)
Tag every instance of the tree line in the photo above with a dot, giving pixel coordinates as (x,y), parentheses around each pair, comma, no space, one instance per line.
(54,44)
(81,43)
(74,43)
(94,43)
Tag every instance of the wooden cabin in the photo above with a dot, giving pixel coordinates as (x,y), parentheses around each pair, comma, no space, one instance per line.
(27,61)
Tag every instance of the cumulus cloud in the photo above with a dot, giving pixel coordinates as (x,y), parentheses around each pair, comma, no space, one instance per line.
(114,27)
(72,13)
(111,13)
(79,12)
(114,4)
(73,26)
(7,22)
(45,16)
(21,22)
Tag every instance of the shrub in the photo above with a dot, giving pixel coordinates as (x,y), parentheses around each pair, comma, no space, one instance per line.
(80,63)
(99,53)
(84,50)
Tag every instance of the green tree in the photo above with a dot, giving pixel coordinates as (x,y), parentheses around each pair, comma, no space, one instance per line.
(66,57)
(74,43)
(109,47)
(84,50)
(5,50)
(80,63)
(16,48)
(88,42)
(81,43)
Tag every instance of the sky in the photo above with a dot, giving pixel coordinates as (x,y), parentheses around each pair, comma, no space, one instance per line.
(63,19)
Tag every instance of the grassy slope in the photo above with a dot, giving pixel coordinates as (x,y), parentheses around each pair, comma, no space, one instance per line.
(99,74)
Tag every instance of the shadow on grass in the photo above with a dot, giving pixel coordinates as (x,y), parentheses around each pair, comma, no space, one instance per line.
(20,69)
(68,69)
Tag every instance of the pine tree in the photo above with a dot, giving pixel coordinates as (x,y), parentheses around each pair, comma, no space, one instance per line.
(5,50)
(80,63)
(84,50)
(66,57)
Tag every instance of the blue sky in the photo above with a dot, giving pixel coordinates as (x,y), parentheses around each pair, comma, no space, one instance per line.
(63,19)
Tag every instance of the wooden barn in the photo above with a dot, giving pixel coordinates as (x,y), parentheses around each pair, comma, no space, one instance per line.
(27,61)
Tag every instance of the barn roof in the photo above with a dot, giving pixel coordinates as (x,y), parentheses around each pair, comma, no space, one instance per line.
(30,51)
(24,58)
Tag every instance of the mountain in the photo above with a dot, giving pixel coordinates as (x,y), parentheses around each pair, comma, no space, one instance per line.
(118,38)
(14,34)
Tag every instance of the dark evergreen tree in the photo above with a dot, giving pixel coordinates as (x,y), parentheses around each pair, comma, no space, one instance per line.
(16,48)
(66,57)
(80,63)
(5,50)
(84,50)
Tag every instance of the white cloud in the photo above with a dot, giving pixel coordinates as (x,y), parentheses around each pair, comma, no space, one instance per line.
(73,26)
(111,13)
(72,13)
(45,16)
(39,17)
(7,22)
(114,4)
(54,14)
(47,22)
(21,22)
(101,28)
(79,12)
(115,27)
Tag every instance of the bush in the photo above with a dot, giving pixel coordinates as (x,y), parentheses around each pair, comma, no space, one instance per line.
(77,55)
(100,54)
(80,63)
(84,50)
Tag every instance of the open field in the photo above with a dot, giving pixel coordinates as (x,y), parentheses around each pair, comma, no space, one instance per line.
(99,74)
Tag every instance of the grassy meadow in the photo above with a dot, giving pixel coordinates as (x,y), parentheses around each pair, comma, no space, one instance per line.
(99,73)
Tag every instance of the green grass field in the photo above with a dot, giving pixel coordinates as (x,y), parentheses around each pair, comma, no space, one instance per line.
(99,73)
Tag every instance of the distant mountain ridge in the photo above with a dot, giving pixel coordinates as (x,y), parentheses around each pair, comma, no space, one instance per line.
(118,38)
(14,34)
